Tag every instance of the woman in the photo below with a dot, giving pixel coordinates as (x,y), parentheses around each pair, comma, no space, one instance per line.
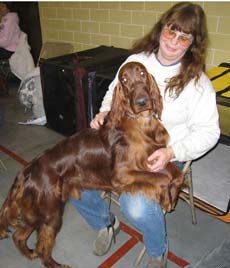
(173,52)
(9,30)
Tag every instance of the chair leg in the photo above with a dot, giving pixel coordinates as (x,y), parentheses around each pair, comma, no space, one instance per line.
(142,253)
(111,196)
(187,170)
(140,256)
(191,198)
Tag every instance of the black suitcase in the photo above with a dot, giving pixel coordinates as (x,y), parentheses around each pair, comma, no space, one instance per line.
(74,85)
(101,83)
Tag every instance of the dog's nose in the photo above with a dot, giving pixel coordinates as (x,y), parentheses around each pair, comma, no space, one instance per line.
(141,101)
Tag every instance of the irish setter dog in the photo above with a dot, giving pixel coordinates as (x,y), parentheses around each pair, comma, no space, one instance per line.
(112,158)
(136,110)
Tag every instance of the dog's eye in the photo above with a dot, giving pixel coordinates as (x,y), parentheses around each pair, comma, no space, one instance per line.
(142,73)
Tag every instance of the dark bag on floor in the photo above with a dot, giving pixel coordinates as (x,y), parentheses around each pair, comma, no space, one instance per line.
(4,90)
(74,85)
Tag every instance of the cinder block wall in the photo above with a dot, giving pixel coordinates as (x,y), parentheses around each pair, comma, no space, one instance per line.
(119,24)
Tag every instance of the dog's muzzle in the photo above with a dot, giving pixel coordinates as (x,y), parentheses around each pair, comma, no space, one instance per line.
(142,101)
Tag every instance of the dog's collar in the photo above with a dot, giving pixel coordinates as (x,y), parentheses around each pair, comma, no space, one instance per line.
(139,116)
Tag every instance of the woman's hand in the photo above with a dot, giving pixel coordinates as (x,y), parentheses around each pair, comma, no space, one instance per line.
(98,120)
(160,158)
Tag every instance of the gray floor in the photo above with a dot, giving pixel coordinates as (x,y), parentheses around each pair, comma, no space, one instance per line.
(74,242)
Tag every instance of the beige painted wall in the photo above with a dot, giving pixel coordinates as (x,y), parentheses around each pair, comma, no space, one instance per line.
(90,24)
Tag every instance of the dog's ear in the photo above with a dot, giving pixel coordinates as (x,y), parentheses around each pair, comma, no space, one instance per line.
(118,108)
(156,96)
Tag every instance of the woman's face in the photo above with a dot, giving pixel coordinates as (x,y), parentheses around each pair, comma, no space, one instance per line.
(173,45)
(3,9)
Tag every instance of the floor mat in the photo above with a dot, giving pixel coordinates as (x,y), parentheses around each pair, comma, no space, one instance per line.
(217,258)
(207,175)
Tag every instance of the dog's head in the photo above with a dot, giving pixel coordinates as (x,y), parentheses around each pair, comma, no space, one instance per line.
(136,92)
(135,84)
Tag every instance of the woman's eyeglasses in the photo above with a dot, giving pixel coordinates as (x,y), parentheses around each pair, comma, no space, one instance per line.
(185,40)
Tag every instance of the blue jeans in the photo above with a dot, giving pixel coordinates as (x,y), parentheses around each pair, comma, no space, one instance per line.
(144,214)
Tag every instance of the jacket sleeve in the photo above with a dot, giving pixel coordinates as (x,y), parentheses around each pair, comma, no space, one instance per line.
(202,124)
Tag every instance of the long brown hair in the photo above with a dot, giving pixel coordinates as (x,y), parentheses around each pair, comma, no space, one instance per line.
(185,17)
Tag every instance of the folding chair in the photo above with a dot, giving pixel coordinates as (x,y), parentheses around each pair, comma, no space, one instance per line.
(113,197)
(188,197)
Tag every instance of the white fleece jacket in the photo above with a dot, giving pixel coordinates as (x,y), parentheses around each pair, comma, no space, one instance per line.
(191,120)
(9,31)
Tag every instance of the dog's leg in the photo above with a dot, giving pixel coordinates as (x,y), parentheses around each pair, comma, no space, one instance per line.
(9,216)
(4,219)
(46,239)
(10,211)
(20,237)
(3,226)
(150,183)
(3,232)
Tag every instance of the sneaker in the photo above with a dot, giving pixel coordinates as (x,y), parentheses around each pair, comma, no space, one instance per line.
(157,262)
(104,239)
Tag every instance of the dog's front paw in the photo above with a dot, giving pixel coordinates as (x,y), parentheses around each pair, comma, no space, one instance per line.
(33,254)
